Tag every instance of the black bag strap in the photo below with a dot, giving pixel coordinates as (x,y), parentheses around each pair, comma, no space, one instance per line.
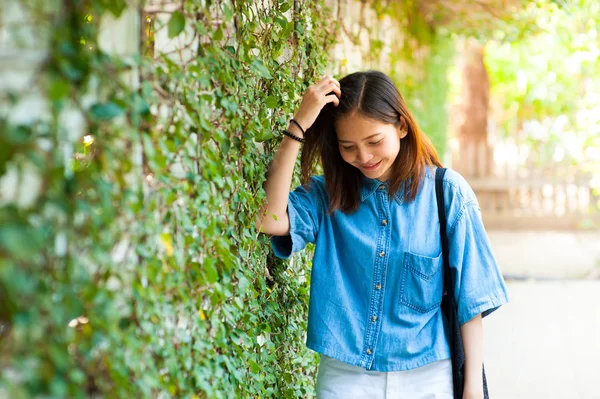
(439,195)
(448,303)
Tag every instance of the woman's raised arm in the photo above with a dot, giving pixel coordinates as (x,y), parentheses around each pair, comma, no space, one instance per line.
(273,217)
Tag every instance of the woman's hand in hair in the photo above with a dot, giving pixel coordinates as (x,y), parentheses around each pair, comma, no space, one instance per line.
(325,91)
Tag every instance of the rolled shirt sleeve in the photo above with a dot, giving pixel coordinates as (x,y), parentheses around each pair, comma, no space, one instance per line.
(479,285)
(305,211)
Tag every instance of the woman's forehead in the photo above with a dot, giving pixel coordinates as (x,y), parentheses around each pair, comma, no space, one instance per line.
(357,127)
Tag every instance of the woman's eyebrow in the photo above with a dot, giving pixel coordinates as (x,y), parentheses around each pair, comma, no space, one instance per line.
(366,138)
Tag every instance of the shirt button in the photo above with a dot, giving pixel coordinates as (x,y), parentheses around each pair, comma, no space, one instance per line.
(369,351)
(374,318)
(384,222)
(378,286)
(382,187)
(382,254)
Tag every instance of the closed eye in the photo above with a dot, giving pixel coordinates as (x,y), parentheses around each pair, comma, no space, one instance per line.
(347,148)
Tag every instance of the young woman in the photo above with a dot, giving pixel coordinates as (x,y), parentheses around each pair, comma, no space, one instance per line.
(377,274)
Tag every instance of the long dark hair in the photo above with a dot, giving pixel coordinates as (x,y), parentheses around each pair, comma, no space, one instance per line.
(374,96)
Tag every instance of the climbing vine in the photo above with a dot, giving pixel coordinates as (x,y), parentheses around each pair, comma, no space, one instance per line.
(133,269)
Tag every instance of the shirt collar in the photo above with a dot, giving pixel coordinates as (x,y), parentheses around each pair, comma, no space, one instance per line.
(369,186)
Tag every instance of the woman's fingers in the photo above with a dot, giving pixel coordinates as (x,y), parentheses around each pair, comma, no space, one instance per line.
(327,80)
(335,82)
(331,87)
(332,98)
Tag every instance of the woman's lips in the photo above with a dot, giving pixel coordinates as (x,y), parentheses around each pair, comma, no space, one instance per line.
(371,167)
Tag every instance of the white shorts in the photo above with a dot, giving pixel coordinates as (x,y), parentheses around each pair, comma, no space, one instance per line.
(337,380)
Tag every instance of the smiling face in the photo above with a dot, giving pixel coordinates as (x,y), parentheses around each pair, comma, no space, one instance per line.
(369,145)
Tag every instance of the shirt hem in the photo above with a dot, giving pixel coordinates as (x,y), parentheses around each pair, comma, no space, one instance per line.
(391,366)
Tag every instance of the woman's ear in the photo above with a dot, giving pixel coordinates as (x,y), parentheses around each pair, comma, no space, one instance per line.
(402,128)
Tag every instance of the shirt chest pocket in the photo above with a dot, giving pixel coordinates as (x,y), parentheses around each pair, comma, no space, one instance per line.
(422,282)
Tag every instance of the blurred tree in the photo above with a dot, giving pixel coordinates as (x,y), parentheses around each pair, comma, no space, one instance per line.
(474,153)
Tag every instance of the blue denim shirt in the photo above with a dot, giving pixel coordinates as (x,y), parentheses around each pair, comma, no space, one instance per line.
(377,274)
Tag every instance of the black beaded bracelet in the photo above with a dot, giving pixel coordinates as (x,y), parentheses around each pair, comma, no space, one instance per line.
(299,127)
(292,136)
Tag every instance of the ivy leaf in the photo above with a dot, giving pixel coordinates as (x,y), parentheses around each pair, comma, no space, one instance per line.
(115,7)
(19,240)
(105,112)
(227,12)
(281,21)
(263,135)
(59,88)
(211,272)
(218,35)
(271,102)
(263,71)
(254,367)
(176,24)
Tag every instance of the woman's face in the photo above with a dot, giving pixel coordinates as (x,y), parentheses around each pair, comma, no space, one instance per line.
(369,145)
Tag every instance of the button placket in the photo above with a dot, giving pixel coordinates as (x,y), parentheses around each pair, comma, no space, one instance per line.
(380,260)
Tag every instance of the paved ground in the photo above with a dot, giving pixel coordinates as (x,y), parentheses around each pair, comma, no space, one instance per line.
(545,343)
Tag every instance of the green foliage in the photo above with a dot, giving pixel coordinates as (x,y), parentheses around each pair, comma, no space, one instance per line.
(425,88)
(547,74)
(129,261)
(419,66)
(546,85)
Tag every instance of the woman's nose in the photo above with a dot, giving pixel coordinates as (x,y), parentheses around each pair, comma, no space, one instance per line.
(364,156)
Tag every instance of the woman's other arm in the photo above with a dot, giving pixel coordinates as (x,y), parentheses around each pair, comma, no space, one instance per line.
(472,336)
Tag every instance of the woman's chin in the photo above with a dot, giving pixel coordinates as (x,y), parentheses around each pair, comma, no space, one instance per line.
(374,174)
